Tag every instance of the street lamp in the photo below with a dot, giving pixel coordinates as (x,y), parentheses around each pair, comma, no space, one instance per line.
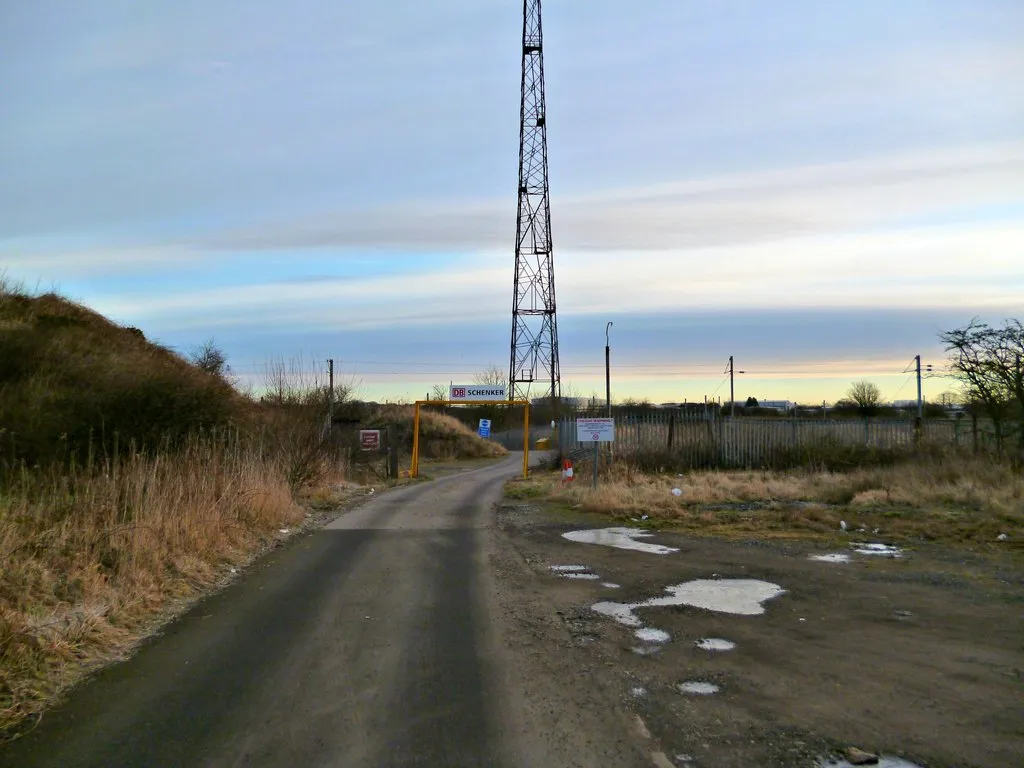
(607,370)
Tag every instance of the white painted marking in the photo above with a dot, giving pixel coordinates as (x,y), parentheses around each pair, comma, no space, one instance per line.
(651,635)
(620,538)
(569,568)
(697,687)
(885,550)
(832,557)
(715,644)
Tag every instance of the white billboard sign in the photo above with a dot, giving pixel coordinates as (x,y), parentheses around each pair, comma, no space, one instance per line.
(469,393)
(595,430)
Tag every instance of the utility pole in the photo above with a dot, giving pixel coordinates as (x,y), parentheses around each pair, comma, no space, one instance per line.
(608,370)
(732,390)
(330,396)
(920,407)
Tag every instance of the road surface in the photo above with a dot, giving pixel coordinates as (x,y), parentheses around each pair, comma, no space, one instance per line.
(403,634)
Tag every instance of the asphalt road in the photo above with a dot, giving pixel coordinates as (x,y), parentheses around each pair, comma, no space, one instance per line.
(402,634)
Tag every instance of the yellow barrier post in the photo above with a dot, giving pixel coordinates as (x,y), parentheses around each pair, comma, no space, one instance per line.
(526,441)
(414,470)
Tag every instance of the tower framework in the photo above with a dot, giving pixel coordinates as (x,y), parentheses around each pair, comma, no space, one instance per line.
(534,357)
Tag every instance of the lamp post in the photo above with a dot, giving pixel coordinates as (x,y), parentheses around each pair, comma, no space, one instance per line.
(608,370)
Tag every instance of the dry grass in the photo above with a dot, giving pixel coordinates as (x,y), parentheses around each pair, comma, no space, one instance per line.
(958,500)
(90,558)
(441,436)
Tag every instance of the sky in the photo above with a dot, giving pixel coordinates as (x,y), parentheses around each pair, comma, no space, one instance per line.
(818,189)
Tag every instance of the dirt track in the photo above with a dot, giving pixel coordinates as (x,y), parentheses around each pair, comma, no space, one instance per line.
(920,657)
(426,628)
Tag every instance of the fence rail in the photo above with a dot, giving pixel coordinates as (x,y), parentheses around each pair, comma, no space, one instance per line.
(688,440)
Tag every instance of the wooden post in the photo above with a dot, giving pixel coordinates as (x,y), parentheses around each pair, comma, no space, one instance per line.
(974,431)
(671,428)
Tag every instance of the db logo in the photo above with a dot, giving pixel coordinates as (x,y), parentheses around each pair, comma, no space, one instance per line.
(458,392)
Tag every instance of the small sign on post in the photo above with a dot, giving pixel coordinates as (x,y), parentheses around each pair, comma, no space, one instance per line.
(369,439)
(484,429)
(595,431)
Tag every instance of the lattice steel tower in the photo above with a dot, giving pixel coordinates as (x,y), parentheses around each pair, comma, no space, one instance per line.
(534,328)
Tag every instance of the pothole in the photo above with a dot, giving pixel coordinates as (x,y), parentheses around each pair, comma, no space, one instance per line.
(698,688)
(620,538)
(715,644)
(651,635)
(832,557)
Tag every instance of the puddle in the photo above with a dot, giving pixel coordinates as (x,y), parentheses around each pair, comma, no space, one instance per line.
(621,612)
(886,550)
(884,761)
(609,585)
(651,635)
(587,576)
(569,568)
(737,596)
(697,687)
(715,644)
(649,650)
(620,538)
(833,557)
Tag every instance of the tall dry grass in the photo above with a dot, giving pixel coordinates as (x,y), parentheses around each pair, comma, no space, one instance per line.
(951,498)
(92,554)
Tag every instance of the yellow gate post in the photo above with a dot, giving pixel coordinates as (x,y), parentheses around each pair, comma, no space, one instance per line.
(414,466)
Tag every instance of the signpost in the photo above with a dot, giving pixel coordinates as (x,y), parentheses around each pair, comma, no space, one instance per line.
(485,428)
(595,431)
(369,439)
(469,393)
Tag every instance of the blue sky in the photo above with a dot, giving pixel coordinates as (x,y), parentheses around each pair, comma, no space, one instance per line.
(816,188)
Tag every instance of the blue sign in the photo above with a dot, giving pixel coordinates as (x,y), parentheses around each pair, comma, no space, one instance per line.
(485,428)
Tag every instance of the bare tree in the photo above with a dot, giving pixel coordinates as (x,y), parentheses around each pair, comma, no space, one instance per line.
(866,395)
(439,392)
(988,362)
(210,358)
(493,375)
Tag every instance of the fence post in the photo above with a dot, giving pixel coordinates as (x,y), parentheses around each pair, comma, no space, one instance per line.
(974,431)
(671,428)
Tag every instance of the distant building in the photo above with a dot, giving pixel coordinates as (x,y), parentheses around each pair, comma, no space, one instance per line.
(782,406)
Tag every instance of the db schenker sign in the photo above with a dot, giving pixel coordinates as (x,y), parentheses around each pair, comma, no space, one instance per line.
(471,392)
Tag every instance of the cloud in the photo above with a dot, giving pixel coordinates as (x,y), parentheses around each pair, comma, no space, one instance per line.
(717,210)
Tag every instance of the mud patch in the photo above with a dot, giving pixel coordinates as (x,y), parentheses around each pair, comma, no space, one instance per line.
(620,538)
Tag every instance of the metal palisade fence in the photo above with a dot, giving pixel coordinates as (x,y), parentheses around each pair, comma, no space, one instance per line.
(687,440)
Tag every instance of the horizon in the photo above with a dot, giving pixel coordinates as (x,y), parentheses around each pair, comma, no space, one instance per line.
(818,191)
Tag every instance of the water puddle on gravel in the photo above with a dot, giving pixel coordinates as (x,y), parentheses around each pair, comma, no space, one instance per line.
(585,576)
(651,635)
(886,550)
(698,688)
(620,538)
(832,557)
(609,585)
(715,644)
(569,568)
(737,596)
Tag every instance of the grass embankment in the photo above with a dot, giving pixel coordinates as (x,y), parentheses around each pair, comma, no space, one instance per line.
(442,436)
(957,500)
(131,481)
